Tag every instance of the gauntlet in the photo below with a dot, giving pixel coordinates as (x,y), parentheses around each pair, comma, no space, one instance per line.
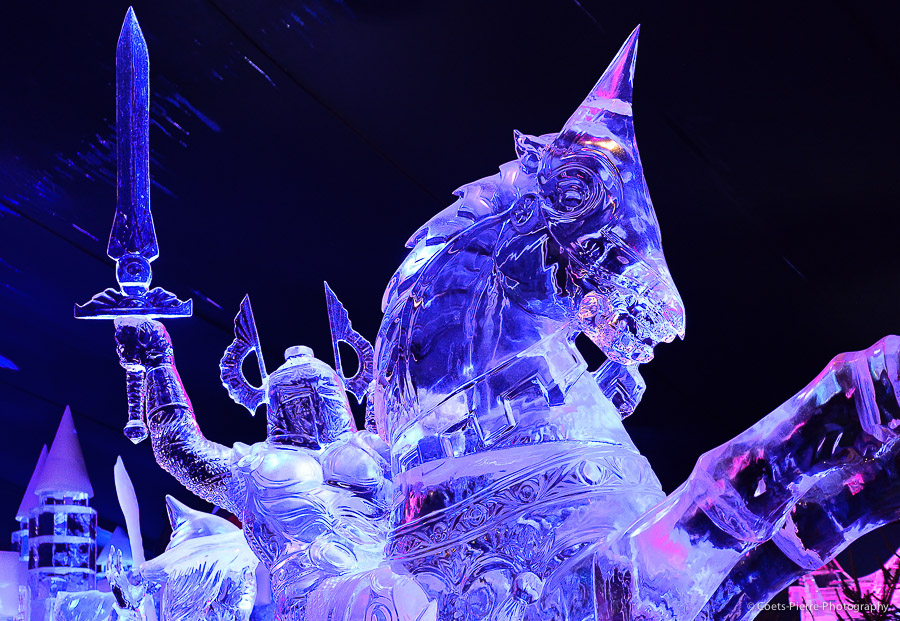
(204,467)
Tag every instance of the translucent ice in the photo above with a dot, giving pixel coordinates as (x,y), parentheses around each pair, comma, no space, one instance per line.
(207,572)
(501,483)
(84,606)
(207,569)
(62,528)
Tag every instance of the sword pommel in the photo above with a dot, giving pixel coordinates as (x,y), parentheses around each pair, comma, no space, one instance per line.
(134,274)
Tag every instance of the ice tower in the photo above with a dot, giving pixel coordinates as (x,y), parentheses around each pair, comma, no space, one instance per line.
(29,502)
(62,527)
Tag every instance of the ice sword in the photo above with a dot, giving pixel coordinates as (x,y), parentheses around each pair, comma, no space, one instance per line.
(132,241)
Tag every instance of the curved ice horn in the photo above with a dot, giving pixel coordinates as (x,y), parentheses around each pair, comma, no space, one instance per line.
(246,341)
(178,512)
(612,92)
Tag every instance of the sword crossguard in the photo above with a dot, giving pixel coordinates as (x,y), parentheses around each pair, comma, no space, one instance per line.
(156,303)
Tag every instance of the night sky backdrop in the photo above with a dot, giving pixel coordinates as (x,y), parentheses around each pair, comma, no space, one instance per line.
(306,140)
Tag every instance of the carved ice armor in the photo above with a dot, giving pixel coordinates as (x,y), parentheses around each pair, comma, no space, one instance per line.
(314,497)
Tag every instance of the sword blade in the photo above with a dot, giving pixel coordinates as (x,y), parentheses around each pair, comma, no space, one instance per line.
(132,231)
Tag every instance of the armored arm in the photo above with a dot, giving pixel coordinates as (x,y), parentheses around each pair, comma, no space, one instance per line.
(203,466)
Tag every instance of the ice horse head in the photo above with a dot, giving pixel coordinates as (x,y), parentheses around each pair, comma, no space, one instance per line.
(498,432)
(596,206)
(563,241)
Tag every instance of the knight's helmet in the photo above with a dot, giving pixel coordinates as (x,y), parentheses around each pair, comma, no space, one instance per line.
(597,208)
(306,399)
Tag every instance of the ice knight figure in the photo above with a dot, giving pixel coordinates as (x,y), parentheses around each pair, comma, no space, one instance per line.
(313,498)
(504,485)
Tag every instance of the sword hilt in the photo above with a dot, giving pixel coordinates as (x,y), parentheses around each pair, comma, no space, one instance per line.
(156,303)
(135,378)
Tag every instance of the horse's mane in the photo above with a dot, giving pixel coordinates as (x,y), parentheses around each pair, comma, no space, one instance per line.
(475,202)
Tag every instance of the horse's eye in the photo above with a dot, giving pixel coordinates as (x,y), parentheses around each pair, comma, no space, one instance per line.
(571,199)
(576,192)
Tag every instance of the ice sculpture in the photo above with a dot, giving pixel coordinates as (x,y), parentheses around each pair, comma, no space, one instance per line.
(208,555)
(82,606)
(313,498)
(821,595)
(29,501)
(502,484)
(117,539)
(128,589)
(206,572)
(62,527)
(132,243)
(11,570)
(130,510)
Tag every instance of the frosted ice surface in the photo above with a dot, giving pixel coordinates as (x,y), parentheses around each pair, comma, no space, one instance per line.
(83,606)
(205,574)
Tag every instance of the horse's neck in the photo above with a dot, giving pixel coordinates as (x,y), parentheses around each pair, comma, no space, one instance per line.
(474,306)
(461,341)
(507,397)
(460,323)
(472,369)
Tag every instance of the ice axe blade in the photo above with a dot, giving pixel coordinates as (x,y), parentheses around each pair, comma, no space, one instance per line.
(342,331)
(246,341)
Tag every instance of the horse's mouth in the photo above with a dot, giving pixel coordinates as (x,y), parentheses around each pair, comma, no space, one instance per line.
(630,304)
(625,327)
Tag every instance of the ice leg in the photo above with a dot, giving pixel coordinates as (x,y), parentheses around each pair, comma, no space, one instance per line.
(832,446)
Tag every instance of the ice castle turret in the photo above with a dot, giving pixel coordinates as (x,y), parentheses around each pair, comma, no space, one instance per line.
(62,527)
(29,502)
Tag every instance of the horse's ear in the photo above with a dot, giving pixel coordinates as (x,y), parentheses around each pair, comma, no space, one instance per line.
(612,92)
(528,151)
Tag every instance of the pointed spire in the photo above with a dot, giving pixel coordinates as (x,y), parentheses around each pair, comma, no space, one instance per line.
(130,509)
(64,470)
(613,90)
(30,499)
